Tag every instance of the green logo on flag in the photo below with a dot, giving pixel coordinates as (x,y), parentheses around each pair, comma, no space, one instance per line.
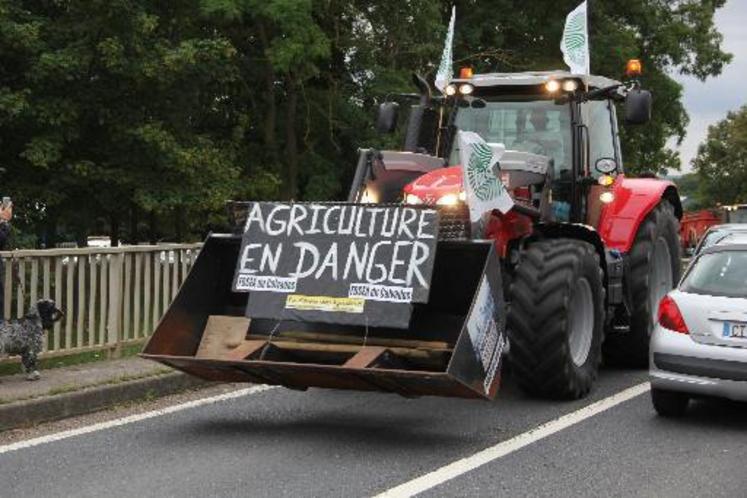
(480,176)
(574,44)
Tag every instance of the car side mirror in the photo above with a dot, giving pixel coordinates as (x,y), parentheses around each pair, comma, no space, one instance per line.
(638,106)
(386,118)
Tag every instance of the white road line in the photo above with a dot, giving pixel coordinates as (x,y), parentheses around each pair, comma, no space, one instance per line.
(459,467)
(132,418)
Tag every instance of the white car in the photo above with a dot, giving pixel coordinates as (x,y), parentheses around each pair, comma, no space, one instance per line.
(699,345)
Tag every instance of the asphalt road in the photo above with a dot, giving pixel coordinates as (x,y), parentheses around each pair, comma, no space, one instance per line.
(335,443)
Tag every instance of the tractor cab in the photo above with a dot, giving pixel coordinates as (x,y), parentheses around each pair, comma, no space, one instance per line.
(568,119)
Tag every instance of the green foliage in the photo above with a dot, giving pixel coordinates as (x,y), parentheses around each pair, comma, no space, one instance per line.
(721,163)
(141,117)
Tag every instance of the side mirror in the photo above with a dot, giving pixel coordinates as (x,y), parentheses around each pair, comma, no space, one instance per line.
(638,106)
(386,118)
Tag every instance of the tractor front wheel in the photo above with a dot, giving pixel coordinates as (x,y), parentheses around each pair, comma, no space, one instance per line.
(556,319)
(654,265)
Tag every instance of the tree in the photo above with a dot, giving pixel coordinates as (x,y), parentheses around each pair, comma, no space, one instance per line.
(110,108)
(515,35)
(721,162)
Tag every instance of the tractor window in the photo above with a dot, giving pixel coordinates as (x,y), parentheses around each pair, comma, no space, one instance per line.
(597,117)
(537,126)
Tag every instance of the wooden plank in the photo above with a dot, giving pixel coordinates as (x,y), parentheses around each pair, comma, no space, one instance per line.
(165,293)
(137,295)
(126,305)
(20,288)
(46,278)
(156,290)
(56,330)
(147,329)
(103,297)
(244,350)
(92,297)
(46,288)
(184,258)
(69,303)
(222,334)
(174,277)
(370,341)
(44,253)
(8,290)
(114,322)
(365,357)
(80,319)
(351,348)
(34,283)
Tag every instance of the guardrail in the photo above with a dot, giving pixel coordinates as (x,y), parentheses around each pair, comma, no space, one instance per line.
(110,296)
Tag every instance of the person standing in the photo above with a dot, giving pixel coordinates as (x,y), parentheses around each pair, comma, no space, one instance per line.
(6,214)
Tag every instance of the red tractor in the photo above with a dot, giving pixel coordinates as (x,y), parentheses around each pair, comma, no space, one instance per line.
(573,263)
(586,253)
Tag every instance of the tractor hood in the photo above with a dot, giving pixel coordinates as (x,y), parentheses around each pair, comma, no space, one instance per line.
(435,184)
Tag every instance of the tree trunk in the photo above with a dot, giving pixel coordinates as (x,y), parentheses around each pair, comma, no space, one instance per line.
(291,141)
(179,224)
(114,226)
(152,227)
(270,106)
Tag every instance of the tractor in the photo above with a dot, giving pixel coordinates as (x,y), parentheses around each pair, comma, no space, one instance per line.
(571,273)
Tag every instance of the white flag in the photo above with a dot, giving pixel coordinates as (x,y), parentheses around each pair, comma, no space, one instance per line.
(445,69)
(481,173)
(575,42)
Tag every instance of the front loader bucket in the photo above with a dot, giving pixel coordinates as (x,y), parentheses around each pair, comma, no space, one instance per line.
(453,346)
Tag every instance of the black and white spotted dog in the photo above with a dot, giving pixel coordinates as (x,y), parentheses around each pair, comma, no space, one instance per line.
(25,336)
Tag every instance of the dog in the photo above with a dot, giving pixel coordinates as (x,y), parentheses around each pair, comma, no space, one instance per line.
(25,336)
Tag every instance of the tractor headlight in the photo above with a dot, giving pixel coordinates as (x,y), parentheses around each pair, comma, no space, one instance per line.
(466,89)
(451,199)
(413,199)
(369,197)
(448,200)
(552,86)
(606,197)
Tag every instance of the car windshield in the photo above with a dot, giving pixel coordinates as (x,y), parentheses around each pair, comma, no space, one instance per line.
(718,274)
(723,237)
(537,126)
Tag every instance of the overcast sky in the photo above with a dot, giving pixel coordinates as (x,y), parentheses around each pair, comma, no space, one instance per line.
(708,103)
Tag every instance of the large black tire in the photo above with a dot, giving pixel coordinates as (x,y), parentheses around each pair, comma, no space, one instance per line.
(669,403)
(557,290)
(657,239)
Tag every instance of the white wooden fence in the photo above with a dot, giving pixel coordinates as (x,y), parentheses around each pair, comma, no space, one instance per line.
(110,296)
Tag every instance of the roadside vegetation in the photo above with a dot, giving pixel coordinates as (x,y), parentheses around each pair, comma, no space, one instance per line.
(139,118)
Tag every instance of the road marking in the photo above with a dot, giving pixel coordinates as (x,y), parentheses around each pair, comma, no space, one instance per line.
(130,419)
(459,467)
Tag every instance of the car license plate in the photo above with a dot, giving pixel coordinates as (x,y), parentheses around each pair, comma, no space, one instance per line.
(735,330)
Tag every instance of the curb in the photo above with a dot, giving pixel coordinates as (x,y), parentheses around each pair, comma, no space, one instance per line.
(47,408)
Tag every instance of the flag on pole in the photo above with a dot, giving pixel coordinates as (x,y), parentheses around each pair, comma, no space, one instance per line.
(575,42)
(445,69)
(481,172)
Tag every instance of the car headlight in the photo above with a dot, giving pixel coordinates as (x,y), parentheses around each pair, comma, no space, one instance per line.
(413,199)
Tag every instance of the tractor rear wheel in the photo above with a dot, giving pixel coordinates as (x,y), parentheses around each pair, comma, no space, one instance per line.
(556,319)
(654,265)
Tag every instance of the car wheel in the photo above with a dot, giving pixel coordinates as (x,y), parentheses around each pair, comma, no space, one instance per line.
(669,403)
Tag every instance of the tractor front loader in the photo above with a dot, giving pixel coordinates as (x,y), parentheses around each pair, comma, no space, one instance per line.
(408,288)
